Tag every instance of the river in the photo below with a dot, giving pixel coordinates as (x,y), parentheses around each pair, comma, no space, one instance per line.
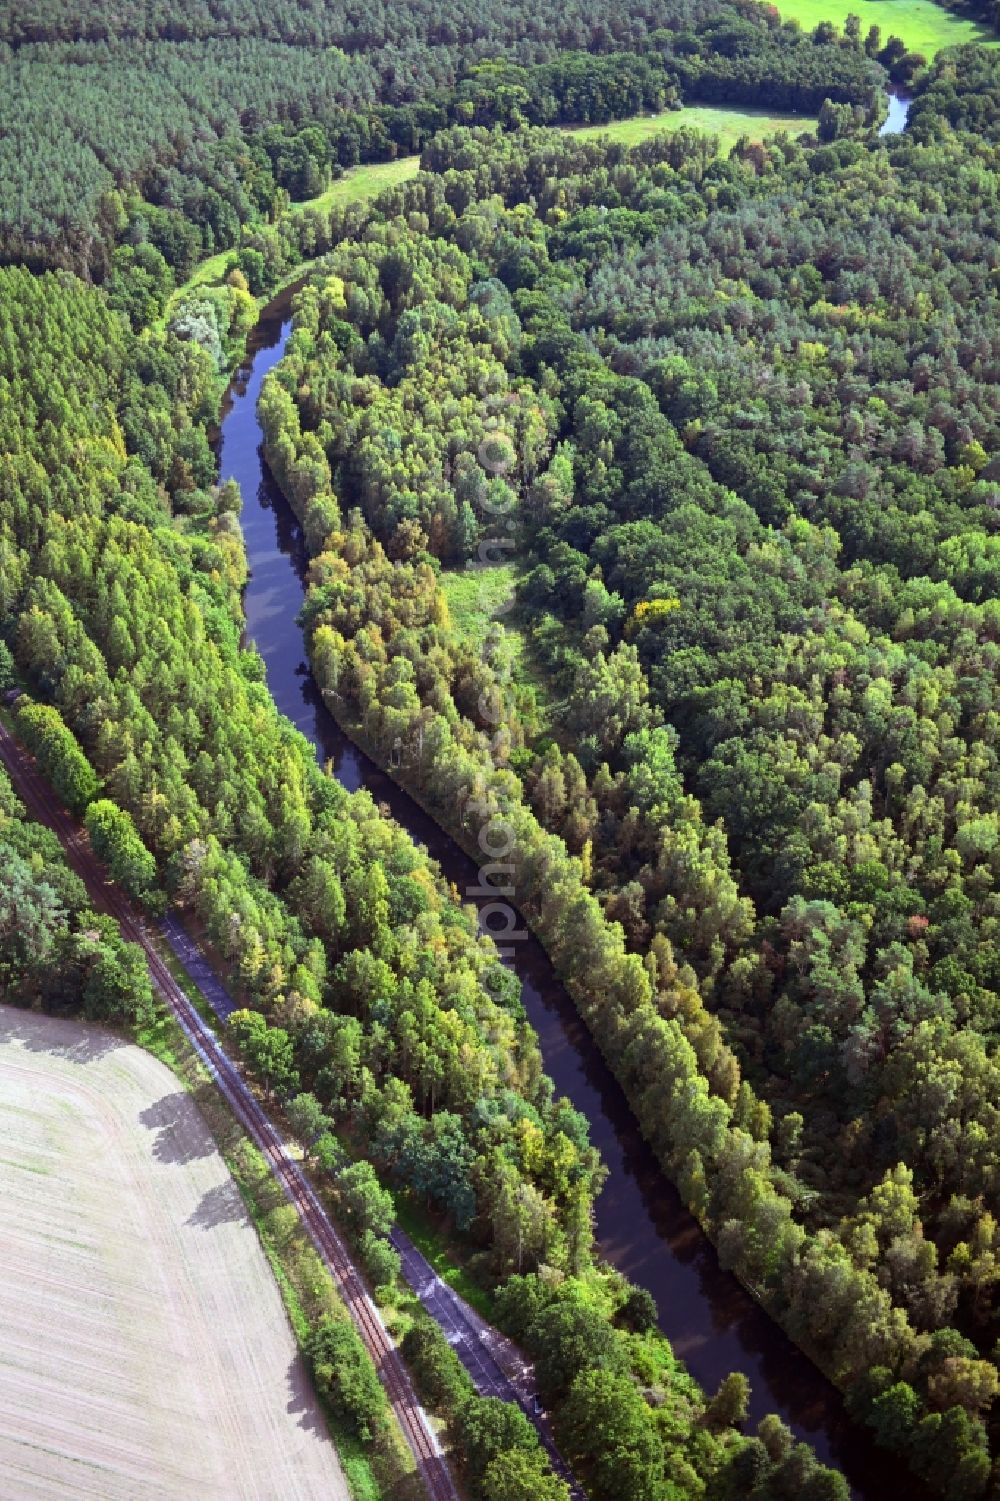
(642,1227)
(899,110)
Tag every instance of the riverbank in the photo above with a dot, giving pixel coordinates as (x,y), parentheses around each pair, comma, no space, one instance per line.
(642,1227)
(356,186)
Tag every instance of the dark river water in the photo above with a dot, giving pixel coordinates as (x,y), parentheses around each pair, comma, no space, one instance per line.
(642,1227)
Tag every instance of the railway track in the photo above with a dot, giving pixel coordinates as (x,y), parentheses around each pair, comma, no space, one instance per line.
(413,1420)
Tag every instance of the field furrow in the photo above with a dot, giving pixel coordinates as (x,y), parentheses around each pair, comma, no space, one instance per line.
(145,1351)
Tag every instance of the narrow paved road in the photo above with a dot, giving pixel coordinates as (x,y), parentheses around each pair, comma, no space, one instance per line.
(416,1427)
(496,1366)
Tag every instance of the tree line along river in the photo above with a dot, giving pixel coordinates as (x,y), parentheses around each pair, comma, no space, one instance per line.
(642,1227)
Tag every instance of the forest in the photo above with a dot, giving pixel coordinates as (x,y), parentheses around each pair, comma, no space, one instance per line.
(652,503)
(221,122)
(370,1004)
(54,949)
(742,722)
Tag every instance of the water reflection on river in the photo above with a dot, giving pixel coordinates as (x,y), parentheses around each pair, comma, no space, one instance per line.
(895,120)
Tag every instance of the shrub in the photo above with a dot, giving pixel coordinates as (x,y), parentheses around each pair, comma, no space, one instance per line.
(346,1377)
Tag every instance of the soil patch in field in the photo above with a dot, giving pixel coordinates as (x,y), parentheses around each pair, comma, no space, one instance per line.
(145,1350)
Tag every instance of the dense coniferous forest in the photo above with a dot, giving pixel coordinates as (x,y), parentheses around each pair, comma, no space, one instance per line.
(214,119)
(652,498)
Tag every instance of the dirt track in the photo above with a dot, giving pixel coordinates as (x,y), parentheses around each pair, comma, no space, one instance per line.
(145,1350)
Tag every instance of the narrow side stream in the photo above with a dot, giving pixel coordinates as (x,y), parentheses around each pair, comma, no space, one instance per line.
(642,1227)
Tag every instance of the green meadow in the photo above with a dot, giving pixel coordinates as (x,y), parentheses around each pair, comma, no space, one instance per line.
(727,124)
(361,183)
(924,26)
(355,186)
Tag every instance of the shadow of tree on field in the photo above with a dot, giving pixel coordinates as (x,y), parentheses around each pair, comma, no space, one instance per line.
(220,1205)
(59,1036)
(181,1134)
(302,1401)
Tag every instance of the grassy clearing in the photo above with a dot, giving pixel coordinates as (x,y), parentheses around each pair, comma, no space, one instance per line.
(361,183)
(924,26)
(355,186)
(476,596)
(208,273)
(727,124)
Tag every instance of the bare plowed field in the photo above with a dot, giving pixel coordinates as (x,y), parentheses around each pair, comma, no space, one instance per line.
(144,1351)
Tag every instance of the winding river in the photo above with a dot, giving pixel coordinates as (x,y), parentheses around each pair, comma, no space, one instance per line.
(642,1227)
